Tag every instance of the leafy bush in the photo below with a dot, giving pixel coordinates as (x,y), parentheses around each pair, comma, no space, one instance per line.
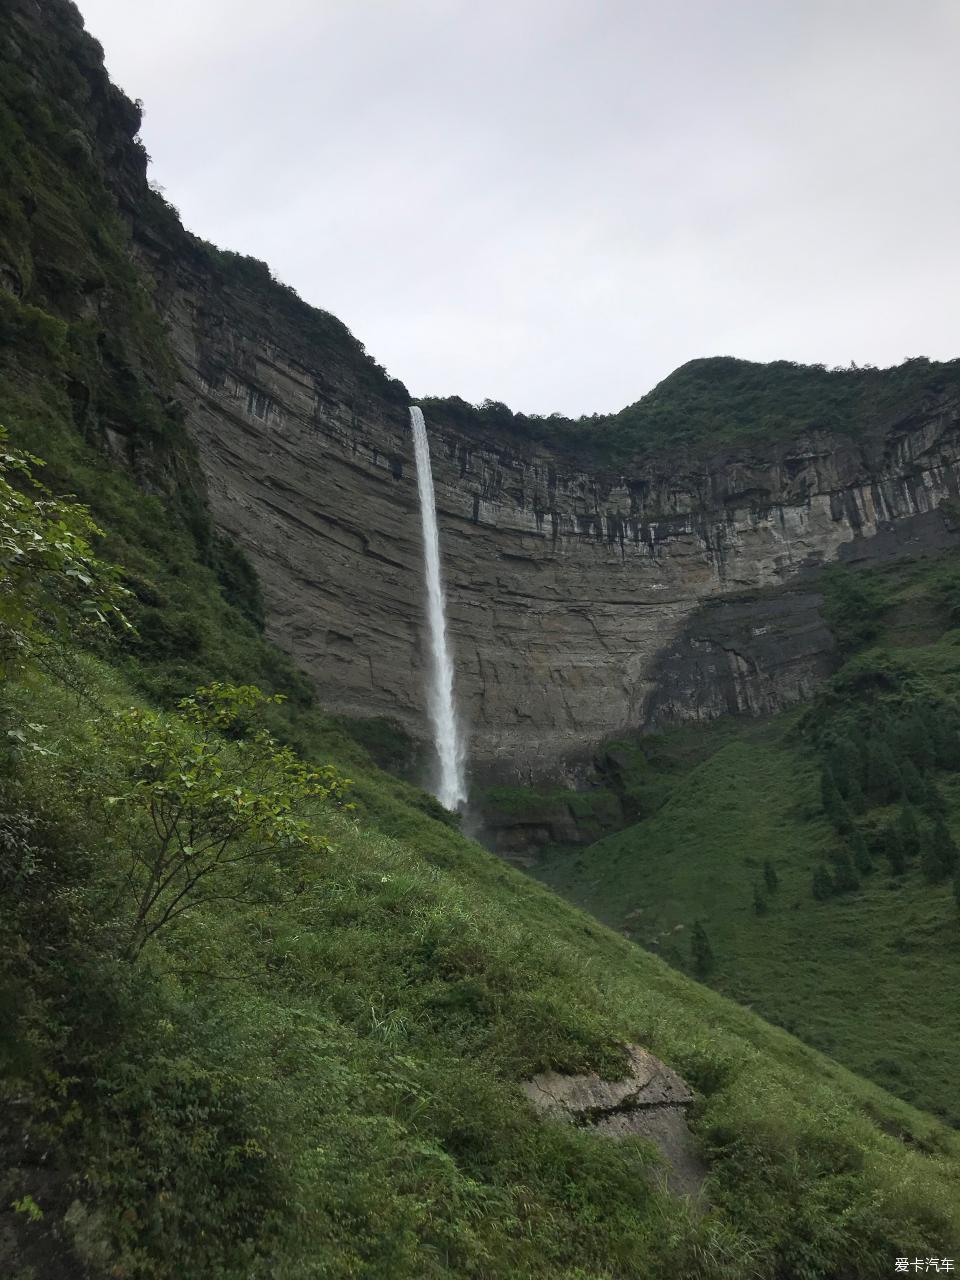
(219,805)
(51,583)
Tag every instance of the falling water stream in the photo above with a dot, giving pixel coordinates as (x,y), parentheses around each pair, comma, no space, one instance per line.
(451,789)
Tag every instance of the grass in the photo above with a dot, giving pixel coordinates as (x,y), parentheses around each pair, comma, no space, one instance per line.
(326,1083)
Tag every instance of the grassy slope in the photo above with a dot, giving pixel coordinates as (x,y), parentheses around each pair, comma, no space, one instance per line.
(871,977)
(325,1085)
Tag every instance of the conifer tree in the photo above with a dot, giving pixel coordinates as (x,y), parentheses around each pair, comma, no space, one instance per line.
(845,759)
(844,876)
(830,796)
(942,738)
(822,887)
(770,877)
(860,853)
(838,766)
(833,803)
(883,777)
(948,746)
(914,787)
(701,951)
(759,901)
(933,801)
(894,851)
(856,801)
(939,857)
(918,744)
(908,831)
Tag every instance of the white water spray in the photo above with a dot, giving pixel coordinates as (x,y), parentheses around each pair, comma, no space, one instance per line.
(451,789)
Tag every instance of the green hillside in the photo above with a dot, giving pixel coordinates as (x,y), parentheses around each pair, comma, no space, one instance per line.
(711,403)
(314,1071)
(871,973)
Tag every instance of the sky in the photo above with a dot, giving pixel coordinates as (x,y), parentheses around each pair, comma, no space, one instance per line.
(554,203)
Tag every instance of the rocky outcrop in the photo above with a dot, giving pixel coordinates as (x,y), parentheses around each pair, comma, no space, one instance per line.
(650,1102)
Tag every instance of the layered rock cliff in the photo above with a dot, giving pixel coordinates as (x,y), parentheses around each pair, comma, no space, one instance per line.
(576,599)
(583,601)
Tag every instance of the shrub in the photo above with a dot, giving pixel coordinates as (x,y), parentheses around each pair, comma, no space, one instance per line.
(217,807)
(51,583)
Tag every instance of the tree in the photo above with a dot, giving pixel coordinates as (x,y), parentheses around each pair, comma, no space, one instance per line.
(822,886)
(830,796)
(883,777)
(894,851)
(759,901)
(859,852)
(210,812)
(939,857)
(52,585)
(916,742)
(933,801)
(856,801)
(940,727)
(914,788)
(838,766)
(844,762)
(844,875)
(701,951)
(770,877)
(833,804)
(908,832)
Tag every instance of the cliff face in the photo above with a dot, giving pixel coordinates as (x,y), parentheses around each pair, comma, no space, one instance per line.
(582,602)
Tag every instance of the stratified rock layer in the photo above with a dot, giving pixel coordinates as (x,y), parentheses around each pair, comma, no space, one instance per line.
(580,604)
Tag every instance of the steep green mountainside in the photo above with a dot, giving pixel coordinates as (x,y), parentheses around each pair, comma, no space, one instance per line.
(320,1078)
(723,402)
(741,822)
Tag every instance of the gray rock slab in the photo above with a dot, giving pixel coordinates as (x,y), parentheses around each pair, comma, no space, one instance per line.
(649,1102)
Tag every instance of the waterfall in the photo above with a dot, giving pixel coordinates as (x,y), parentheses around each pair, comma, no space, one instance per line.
(451,789)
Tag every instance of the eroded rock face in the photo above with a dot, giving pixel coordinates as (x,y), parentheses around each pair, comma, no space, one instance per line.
(650,1102)
(582,602)
(580,605)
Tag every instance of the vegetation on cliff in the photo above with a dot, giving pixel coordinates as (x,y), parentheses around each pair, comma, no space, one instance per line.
(717,403)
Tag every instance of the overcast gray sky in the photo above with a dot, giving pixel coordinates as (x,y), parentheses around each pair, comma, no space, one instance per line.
(556,202)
